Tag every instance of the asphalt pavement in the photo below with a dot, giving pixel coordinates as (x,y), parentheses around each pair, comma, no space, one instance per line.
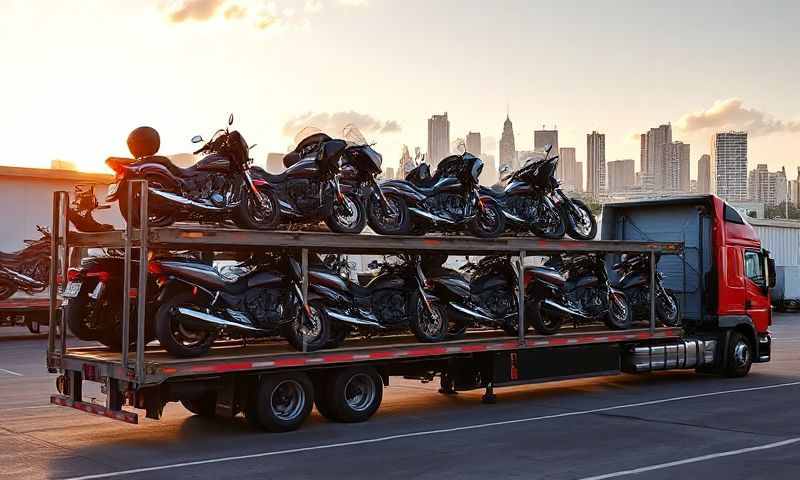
(656,426)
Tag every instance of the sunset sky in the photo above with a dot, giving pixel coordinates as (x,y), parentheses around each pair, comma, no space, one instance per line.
(78,76)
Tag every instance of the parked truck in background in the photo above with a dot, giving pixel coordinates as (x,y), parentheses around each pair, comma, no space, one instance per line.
(723,277)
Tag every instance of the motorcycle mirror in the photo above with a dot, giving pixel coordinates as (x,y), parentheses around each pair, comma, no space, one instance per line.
(252,146)
(505,169)
(548,147)
(230,119)
(372,265)
(197,139)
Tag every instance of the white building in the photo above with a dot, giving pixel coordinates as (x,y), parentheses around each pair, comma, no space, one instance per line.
(767,187)
(438,138)
(729,165)
(474,143)
(595,163)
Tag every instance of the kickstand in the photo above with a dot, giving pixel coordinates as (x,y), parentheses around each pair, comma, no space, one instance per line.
(489,398)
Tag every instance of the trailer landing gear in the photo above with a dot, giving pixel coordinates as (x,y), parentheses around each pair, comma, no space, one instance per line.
(489,398)
(447,385)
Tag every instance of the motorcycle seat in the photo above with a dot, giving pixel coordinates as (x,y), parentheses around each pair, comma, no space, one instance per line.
(205,275)
(274,178)
(166,162)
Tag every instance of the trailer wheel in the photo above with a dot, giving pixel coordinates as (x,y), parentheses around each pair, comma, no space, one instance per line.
(351,395)
(738,356)
(203,407)
(281,402)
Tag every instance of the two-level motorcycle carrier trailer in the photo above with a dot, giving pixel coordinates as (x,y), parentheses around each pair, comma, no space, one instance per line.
(223,381)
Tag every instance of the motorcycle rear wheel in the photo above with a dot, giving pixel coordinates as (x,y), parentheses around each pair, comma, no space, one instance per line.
(584,228)
(545,323)
(159,219)
(177,339)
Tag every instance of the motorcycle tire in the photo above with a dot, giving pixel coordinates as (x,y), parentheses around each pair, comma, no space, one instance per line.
(668,318)
(375,218)
(171,334)
(250,215)
(544,323)
(427,328)
(299,341)
(573,229)
(489,230)
(616,318)
(74,313)
(556,233)
(163,219)
(337,224)
(7,289)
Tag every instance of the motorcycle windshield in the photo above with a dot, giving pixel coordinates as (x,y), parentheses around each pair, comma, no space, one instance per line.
(353,136)
(309,136)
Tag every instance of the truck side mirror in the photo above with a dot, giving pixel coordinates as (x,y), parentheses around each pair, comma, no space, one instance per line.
(770,272)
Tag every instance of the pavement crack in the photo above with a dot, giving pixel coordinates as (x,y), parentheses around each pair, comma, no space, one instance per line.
(693,425)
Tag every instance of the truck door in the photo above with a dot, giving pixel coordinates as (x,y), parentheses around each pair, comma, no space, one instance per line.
(732,293)
(757,302)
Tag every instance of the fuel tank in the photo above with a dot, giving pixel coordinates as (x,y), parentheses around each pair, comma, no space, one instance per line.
(548,275)
(214,163)
(327,279)
(518,187)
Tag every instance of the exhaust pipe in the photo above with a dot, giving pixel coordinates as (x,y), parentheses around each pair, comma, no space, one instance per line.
(349,319)
(513,217)
(214,321)
(554,307)
(185,202)
(473,313)
(430,216)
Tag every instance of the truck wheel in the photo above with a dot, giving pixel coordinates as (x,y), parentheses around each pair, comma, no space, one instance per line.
(206,406)
(351,394)
(281,402)
(738,356)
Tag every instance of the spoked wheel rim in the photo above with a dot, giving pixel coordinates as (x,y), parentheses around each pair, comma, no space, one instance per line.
(261,210)
(343,217)
(431,324)
(669,308)
(360,392)
(184,335)
(309,324)
(287,400)
(583,224)
(390,218)
(618,309)
(741,353)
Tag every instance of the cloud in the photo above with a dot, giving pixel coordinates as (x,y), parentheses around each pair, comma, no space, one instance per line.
(235,12)
(732,114)
(198,10)
(354,3)
(333,123)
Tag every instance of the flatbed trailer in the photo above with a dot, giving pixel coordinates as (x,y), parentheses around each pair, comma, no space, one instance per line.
(346,383)
(31,312)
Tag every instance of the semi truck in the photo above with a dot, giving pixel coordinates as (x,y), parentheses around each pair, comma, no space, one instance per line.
(709,256)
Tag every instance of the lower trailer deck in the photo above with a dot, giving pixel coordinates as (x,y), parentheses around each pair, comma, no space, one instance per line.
(97,363)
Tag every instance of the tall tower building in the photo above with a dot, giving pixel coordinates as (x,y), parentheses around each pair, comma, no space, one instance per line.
(543,137)
(678,172)
(656,157)
(438,138)
(474,143)
(729,165)
(595,163)
(579,176)
(566,162)
(507,148)
(620,175)
(704,174)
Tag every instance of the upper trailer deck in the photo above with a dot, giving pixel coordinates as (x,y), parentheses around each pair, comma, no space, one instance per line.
(202,237)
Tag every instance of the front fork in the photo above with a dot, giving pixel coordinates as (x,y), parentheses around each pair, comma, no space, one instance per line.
(421,282)
(249,180)
(337,188)
(387,207)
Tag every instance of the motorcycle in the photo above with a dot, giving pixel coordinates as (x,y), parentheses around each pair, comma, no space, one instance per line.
(634,272)
(80,213)
(27,269)
(92,300)
(574,287)
(447,201)
(218,187)
(532,200)
(394,299)
(311,188)
(198,304)
(485,294)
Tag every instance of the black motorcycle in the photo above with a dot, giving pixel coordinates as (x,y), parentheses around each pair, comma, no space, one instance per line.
(532,200)
(634,272)
(27,269)
(92,300)
(394,299)
(198,303)
(312,189)
(81,211)
(574,287)
(483,293)
(217,188)
(447,201)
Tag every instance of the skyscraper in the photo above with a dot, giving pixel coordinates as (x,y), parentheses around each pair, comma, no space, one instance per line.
(579,176)
(438,138)
(595,163)
(544,137)
(677,177)
(728,170)
(406,162)
(474,143)
(656,153)
(620,175)
(566,159)
(508,150)
(704,174)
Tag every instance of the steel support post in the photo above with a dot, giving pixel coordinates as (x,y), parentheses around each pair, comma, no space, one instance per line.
(652,292)
(63,226)
(141,291)
(54,229)
(304,266)
(126,281)
(521,297)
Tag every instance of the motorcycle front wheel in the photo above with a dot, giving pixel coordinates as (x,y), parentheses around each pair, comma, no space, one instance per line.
(428,326)
(490,222)
(580,221)
(549,223)
(668,309)
(395,222)
(350,217)
(252,215)
(311,329)
(620,314)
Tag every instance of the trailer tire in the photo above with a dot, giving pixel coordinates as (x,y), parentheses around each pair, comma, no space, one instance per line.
(281,402)
(205,407)
(738,356)
(351,395)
